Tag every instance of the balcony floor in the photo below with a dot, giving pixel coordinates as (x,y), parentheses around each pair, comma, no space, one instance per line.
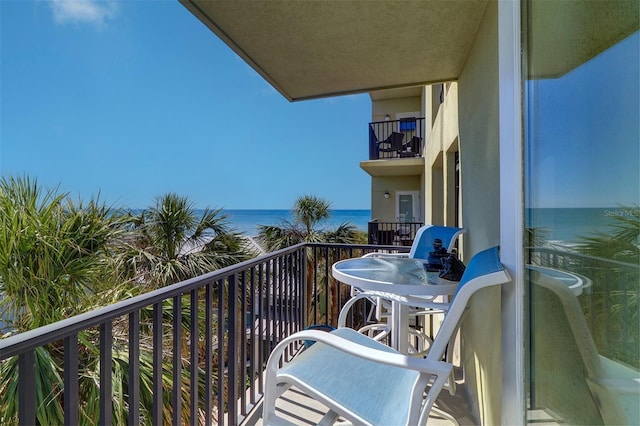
(302,410)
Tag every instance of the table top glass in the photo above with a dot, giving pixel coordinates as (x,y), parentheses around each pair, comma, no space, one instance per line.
(404,276)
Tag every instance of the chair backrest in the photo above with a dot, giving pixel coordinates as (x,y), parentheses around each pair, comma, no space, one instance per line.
(484,270)
(423,241)
(395,139)
(414,143)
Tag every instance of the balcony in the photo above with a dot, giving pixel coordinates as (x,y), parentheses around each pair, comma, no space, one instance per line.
(395,148)
(392,233)
(212,336)
(396,139)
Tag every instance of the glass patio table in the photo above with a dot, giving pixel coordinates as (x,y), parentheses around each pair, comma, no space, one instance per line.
(397,277)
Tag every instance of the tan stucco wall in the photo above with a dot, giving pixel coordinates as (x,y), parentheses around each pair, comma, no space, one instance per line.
(384,209)
(442,137)
(382,107)
(479,161)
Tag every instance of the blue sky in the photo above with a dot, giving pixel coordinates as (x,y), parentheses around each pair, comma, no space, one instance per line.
(130,100)
(585,149)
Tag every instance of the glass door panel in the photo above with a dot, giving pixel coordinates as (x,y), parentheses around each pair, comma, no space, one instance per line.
(582,198)
(407,208)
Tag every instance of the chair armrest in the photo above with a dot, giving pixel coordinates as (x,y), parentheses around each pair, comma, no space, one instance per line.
(622,386)
(395,359)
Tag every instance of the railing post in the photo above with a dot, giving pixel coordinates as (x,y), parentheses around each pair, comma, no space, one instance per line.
(208,355)
(26,388)
(71,380)
(193,338)
(220,349)
(134,368)
(156,415)
(261,325)
(242,338)
(176,399)
(106,359)
(232,300)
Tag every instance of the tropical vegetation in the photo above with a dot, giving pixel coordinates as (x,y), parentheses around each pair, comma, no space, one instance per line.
(55,254)
(60,257)
(171,241)
(609,260)
(308,213)
(612,263)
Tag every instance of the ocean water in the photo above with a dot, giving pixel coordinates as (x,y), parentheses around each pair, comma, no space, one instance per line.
(569,225)
(562,225)
(247,221)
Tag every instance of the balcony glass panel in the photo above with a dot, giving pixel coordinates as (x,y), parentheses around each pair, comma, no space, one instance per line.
(582,219)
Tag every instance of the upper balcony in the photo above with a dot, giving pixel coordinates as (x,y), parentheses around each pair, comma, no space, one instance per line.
(399,140)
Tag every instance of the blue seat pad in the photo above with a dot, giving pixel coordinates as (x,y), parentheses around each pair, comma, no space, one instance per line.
(378,393)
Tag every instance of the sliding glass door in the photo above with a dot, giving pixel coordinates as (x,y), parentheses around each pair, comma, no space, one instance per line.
(582,217)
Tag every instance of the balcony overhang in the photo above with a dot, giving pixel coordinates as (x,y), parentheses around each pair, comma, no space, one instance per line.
(394,167)
(310,49)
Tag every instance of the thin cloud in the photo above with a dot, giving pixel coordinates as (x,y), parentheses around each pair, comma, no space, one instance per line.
(83,11)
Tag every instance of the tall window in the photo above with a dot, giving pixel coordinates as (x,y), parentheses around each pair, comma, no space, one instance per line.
(582,198)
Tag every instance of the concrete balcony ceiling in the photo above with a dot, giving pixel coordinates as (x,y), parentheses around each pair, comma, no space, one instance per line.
(394,167)
(310,49)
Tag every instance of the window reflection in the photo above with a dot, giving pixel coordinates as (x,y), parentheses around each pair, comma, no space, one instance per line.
(582,192)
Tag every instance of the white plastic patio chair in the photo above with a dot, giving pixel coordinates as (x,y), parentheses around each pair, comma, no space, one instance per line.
(597,383)
(423,241)
(421,306)
(369,383)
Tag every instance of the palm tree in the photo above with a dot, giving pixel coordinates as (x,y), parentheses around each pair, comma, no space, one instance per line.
(308,212)
(171,242)
(621,243)
(55,262)
(54,254)
(615,297)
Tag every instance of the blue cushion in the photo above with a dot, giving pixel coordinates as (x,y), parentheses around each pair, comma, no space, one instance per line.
(485,262)
(425,244)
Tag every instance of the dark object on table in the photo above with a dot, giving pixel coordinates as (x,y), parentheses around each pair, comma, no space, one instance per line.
(453,268)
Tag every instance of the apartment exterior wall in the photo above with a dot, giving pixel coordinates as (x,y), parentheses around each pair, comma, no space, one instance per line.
(464,121)
(380,108)
(382,208)
(439,152)
(467,122)
(480,165)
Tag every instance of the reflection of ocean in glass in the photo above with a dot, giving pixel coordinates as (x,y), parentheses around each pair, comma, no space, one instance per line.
(247,221)
(568,225)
